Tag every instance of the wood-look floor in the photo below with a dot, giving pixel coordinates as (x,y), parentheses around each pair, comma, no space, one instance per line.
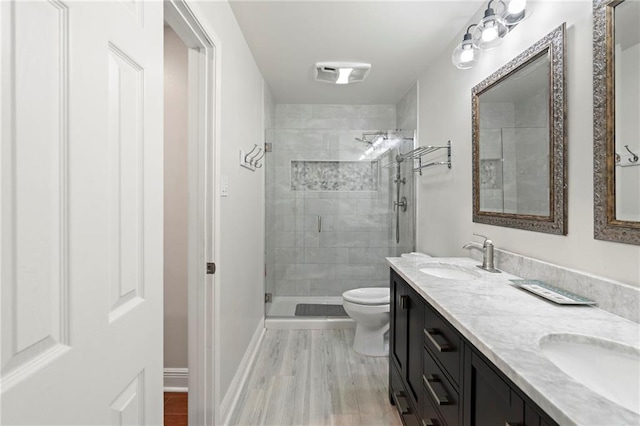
(176,409)
(313,377)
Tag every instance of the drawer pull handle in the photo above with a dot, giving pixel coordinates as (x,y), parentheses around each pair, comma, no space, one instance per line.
(438,340)
(430,422)
(404,407)
(439,394)
(404,302)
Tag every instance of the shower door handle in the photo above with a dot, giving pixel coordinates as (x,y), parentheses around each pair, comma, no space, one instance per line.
(319,223)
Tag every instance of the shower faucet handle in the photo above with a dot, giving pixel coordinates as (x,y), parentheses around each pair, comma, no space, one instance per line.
(402,204)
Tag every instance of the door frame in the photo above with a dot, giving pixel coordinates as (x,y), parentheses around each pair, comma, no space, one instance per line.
(203,218)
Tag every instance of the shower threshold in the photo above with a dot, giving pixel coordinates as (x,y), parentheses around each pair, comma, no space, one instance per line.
(281,314)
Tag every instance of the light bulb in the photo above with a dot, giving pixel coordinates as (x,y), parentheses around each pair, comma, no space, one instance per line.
(490,30)
(516,6)
(515,12)
(489,34)
(466,55)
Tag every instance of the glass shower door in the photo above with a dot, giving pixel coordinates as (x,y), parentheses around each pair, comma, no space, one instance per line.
(329,220)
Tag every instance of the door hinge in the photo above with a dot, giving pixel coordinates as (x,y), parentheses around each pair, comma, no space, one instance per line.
(268,147)
(268,297)
(211,268)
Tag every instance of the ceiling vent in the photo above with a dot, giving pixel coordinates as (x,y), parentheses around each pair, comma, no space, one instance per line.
(342,72)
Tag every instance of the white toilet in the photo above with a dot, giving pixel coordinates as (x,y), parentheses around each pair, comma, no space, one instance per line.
(369,308)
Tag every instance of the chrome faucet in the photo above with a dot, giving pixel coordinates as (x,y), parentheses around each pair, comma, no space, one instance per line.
(487,252)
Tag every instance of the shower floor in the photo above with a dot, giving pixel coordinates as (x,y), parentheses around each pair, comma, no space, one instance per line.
(285,306)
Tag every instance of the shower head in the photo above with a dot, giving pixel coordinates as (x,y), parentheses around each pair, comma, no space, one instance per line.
(375,137)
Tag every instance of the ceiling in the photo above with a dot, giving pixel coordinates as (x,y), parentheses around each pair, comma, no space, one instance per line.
(398,39)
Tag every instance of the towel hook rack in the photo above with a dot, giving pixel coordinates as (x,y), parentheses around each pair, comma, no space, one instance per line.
(634,158)
(251,159)
(256,163)
(246,157)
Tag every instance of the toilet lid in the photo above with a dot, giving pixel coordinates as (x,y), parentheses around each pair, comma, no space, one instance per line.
(367,296)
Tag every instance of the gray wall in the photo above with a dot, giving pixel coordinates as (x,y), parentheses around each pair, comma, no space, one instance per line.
(175,200)
(355,238)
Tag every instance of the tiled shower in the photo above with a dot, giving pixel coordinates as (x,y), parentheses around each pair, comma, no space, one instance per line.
(329,203)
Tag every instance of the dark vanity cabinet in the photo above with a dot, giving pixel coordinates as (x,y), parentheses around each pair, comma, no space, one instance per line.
(491,400)
(437,378)
(407,311)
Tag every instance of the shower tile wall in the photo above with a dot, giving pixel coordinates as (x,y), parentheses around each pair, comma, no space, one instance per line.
(498,160)
(356,232)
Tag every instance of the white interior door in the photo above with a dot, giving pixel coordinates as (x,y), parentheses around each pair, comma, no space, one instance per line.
(81,212)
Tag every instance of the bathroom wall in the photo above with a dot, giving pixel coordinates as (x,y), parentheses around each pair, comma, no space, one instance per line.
(407,120)
(444,221)
(355,236)
(240,241)
(175,200)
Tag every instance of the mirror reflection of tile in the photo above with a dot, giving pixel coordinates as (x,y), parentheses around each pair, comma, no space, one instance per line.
(491,174)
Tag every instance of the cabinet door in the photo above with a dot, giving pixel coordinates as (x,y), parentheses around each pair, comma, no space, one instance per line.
(415,327)
(398,334)
(533,417)
(491,400)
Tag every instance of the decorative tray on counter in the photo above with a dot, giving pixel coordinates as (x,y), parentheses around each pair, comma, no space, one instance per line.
(551,293)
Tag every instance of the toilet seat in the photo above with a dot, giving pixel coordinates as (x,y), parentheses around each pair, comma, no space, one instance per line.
(368,296)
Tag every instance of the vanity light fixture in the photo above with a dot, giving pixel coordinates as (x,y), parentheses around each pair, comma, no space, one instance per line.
(489,32)
(466,54)
(491,29)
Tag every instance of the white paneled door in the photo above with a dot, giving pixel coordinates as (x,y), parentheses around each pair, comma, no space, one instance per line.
(81,212)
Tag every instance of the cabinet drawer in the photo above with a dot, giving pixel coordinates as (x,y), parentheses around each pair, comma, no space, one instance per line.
(430,415)
(442,394)
(443,342)
(400,399)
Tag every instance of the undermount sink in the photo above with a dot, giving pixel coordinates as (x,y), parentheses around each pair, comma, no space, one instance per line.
(449,271)
(607,368)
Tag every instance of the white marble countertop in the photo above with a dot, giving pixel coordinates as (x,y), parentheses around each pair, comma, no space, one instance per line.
(505,324)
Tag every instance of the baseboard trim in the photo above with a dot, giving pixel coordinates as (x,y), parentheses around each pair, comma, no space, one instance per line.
(176,379)
(230,400)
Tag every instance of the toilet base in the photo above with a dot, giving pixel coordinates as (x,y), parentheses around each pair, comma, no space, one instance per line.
(371,341)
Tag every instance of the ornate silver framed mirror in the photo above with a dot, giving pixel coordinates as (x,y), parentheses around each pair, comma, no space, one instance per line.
(518,146)
(616,124)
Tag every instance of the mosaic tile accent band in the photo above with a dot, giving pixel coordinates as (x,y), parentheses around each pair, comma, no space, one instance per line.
(334,175)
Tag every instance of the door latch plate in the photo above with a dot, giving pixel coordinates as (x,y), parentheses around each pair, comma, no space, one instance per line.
(211,268)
